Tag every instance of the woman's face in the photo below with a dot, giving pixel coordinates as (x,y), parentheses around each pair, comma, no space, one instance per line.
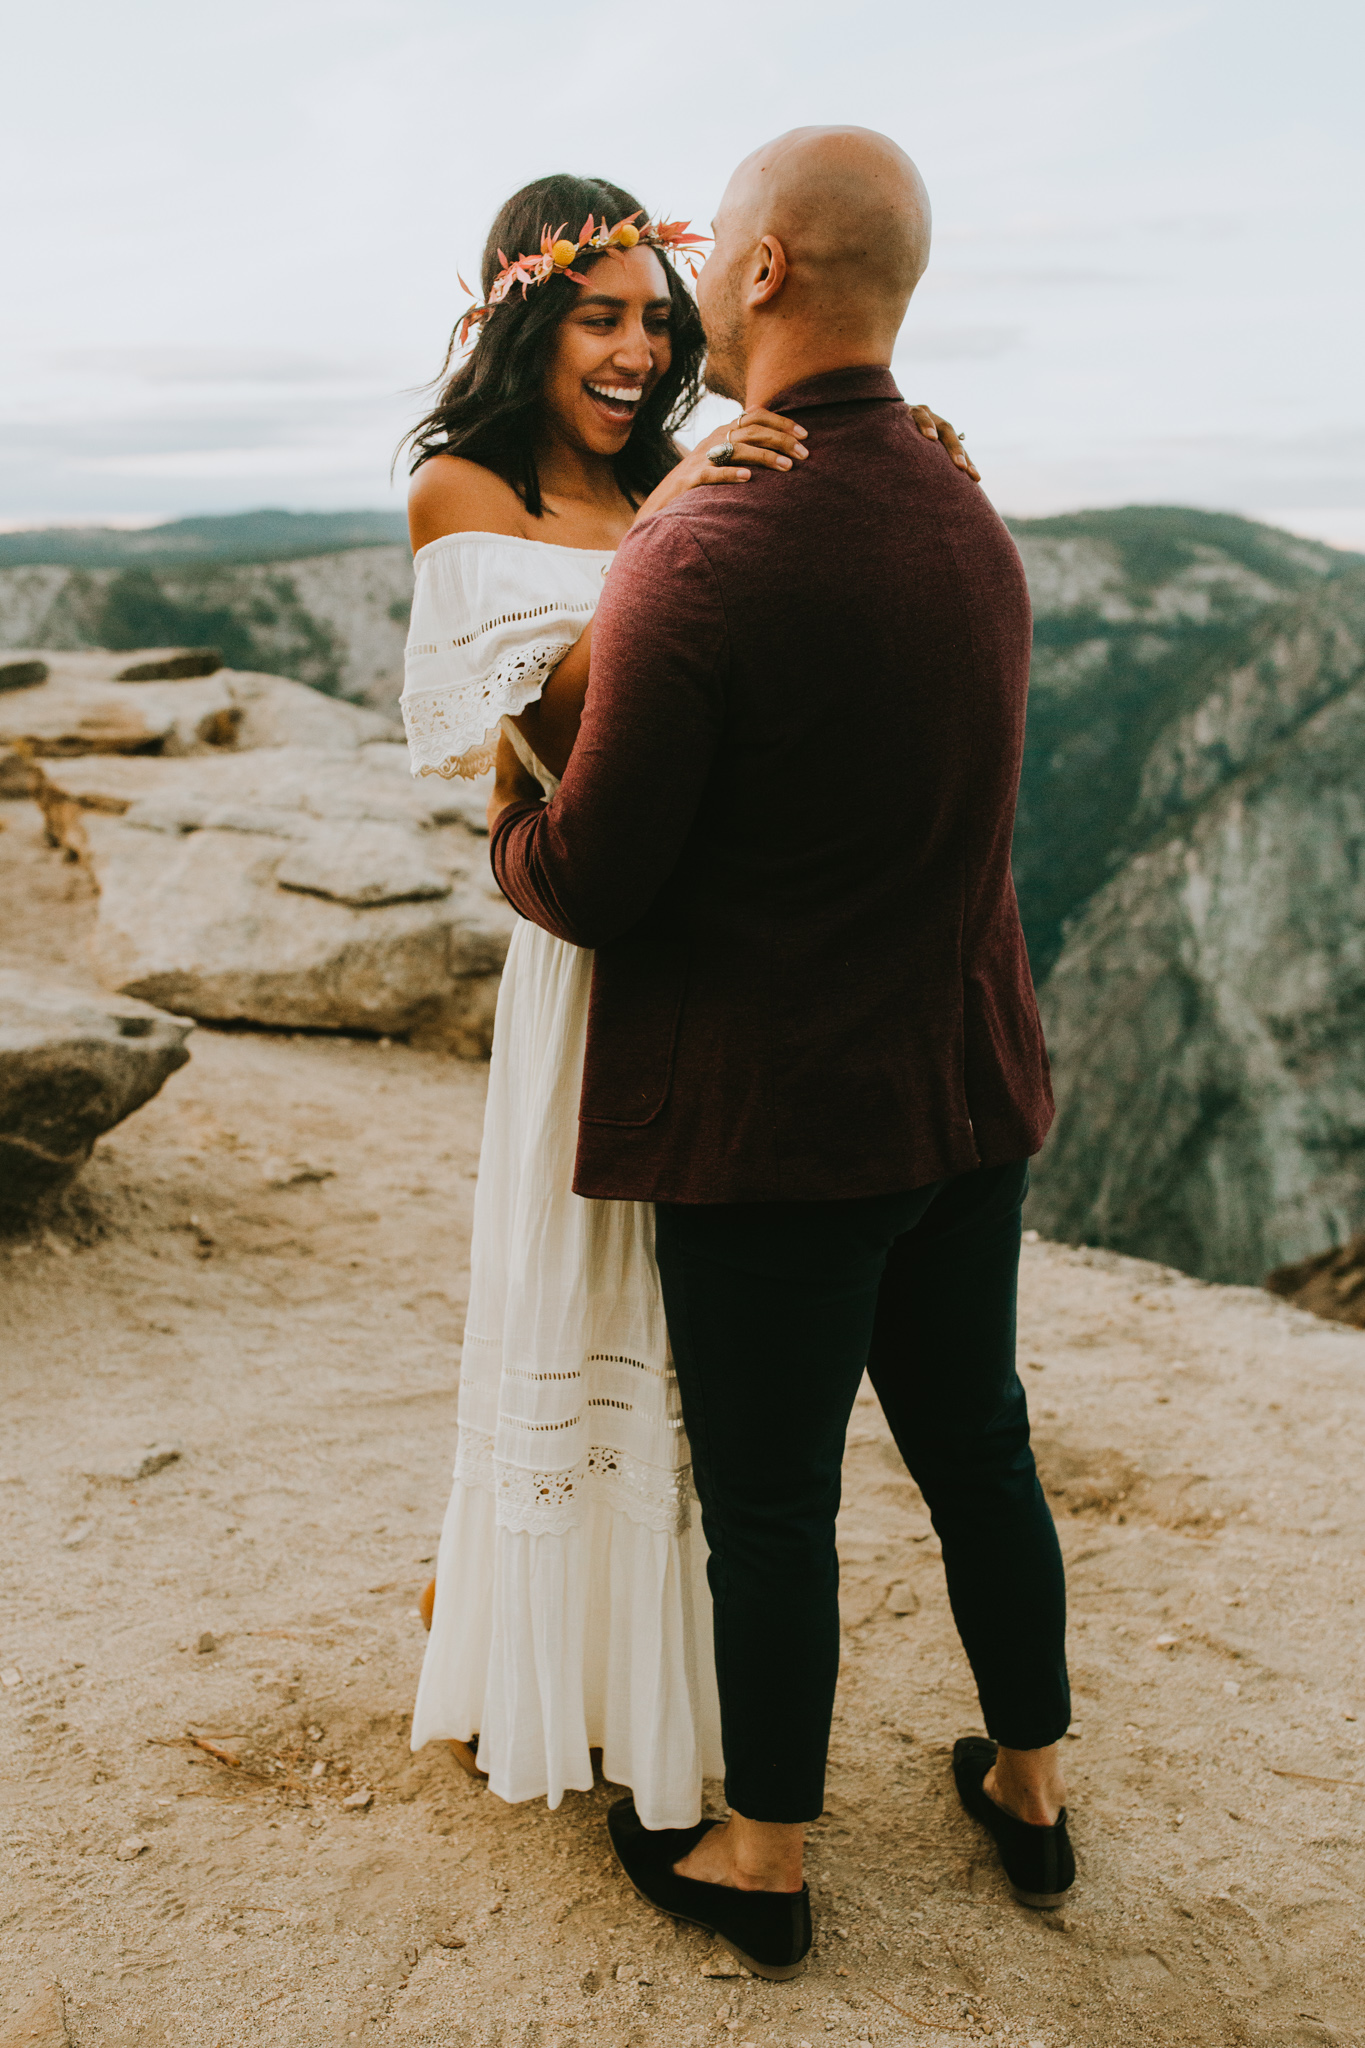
(610,351)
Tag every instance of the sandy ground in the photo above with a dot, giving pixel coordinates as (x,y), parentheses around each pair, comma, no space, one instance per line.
(294,1340)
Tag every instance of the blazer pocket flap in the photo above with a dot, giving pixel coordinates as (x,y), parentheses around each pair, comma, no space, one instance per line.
(638,985)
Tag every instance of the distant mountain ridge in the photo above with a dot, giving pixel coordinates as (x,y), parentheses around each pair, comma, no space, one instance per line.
(1188,855)
(1134,611)
(1188,851)
(265,536)
(335,620)
(1206,1011)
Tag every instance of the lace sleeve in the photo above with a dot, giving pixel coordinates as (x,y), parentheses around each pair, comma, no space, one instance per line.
(491,617)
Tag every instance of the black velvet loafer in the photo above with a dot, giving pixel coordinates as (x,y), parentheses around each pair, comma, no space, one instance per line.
(769,1931)
(1038,1861)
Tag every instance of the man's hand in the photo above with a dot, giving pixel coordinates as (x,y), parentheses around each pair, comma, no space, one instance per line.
(512,782)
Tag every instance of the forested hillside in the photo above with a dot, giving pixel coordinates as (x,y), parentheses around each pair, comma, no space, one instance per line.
(1136,613)
(265,536)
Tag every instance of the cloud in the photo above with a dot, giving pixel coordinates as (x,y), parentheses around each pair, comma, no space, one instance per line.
(196,365)
(1109,226)
(957,344)
(255,464)
(308,448)
(113,439)
(1324,472)
(1341,526)
(1058,278)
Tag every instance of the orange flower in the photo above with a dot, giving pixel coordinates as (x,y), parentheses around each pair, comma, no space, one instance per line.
(556,254)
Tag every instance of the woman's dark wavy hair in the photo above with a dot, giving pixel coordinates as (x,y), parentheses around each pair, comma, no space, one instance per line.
(487,409)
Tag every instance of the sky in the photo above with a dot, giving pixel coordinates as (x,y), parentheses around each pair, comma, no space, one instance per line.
(228,255)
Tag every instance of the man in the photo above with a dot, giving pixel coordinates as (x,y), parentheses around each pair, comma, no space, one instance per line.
(813,1043)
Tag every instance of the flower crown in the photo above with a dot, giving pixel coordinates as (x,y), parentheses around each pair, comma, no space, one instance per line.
(557,256)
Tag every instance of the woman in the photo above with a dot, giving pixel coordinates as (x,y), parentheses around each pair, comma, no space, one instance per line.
(570,1610)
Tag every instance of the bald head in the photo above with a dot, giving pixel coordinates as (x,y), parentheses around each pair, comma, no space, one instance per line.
(823,233)
(844,202)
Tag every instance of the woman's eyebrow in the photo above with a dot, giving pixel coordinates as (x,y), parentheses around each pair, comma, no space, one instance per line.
(605,299)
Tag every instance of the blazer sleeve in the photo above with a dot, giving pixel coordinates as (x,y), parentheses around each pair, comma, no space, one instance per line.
(587,865)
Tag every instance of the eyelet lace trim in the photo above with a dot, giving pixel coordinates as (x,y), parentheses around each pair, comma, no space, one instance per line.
(452,729)
(553,1503)
(537,611)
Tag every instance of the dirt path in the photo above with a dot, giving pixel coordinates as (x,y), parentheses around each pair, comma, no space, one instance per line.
(264,1271)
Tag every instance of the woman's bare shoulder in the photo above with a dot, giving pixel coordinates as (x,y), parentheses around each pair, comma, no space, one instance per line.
(451,495)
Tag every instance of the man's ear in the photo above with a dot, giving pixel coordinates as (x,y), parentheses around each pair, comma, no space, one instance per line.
(770,273)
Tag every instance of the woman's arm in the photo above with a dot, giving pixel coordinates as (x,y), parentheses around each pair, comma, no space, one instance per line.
(550,725)
(450,495)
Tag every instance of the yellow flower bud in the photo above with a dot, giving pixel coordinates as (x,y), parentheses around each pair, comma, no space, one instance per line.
(627,236)
(564,253)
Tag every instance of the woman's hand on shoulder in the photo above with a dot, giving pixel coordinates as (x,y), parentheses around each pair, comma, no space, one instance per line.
(935,428)
(451,495)
(758,439)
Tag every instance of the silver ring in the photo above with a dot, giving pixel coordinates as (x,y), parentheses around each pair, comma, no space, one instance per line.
(725,453)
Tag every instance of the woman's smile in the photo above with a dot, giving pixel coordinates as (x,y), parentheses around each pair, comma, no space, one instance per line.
(616,401)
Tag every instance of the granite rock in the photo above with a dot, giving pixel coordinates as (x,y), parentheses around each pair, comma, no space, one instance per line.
(80,708)
(72,1066)
(18,670)
(18,776)
(1204,1015)
(67,716)
(111,665)
(291,886)
(1331,1284)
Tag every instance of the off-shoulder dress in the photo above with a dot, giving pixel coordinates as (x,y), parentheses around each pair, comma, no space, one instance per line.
(572,1610)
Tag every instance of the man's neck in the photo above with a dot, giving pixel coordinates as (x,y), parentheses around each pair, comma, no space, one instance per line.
(787,361)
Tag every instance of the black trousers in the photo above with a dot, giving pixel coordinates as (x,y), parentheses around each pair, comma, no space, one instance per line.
(774,1310)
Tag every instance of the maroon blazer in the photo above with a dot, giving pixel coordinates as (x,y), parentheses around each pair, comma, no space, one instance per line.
(785,830)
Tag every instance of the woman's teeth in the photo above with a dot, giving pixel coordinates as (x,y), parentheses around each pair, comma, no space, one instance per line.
(616,394)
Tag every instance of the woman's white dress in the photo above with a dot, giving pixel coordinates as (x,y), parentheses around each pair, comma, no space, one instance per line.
(572,1610)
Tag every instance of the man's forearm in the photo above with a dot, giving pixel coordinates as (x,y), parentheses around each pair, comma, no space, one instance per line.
(588,865)
(521,876)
